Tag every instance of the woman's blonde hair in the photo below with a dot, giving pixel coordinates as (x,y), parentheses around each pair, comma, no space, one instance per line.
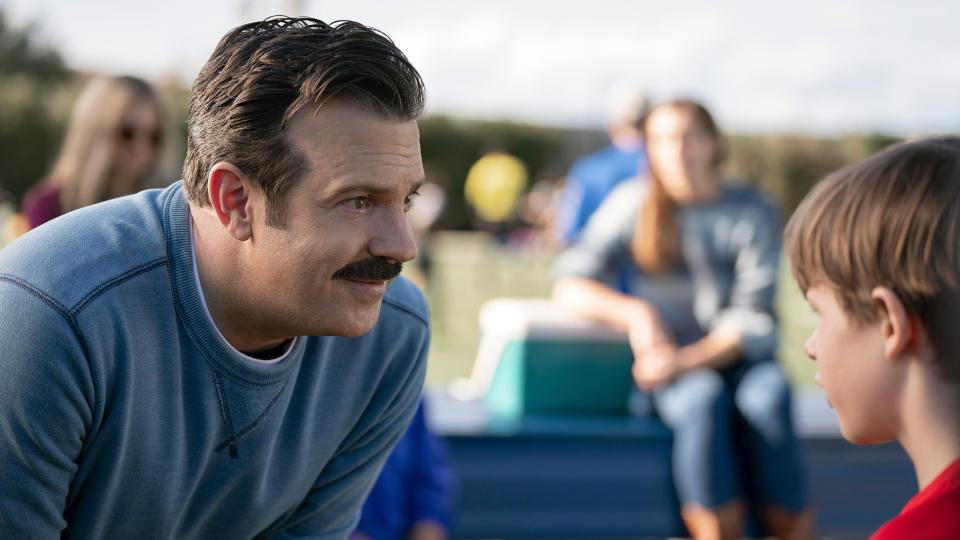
(892,220)
(656,244)
(84,165)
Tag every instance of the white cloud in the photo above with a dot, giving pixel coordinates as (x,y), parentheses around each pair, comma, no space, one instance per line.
(819,66)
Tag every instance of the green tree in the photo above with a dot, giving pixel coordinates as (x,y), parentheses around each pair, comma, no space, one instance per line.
(34,83)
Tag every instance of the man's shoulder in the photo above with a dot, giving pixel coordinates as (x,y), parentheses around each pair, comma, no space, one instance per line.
(608,159)
(403,299)
(72,257)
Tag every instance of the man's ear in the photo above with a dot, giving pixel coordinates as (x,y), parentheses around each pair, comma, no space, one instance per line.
(901,332)
(229,193)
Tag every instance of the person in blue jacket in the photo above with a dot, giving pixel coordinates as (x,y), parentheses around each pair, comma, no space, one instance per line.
(413,497)
(593,176)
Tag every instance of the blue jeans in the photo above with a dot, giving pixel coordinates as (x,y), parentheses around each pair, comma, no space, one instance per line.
(733,436)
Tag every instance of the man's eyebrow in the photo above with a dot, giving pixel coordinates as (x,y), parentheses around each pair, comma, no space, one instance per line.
(375,189)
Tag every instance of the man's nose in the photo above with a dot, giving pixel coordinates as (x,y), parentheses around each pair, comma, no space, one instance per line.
(393,238)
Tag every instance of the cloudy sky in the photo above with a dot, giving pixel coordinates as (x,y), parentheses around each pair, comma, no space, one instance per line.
(819,67)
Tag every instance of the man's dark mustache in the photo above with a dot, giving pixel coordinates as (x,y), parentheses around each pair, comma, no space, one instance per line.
(372,269)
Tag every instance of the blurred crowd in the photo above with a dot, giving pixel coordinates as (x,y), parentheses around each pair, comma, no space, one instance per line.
(112,145)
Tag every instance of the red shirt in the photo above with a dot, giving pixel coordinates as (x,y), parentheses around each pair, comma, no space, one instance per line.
(934,513)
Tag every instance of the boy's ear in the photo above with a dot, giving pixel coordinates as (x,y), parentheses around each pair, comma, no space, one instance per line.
(901,332)
(229,192)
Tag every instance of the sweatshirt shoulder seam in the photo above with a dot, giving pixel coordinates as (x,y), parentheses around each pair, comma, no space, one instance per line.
(408,310)
(50,301)
(106,286)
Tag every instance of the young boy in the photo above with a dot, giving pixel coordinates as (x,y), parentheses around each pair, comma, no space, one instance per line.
(875,248)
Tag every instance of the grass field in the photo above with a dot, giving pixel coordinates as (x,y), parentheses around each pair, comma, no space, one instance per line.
(470,268)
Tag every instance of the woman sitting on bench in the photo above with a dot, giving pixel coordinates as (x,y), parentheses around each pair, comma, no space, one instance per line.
(700,260)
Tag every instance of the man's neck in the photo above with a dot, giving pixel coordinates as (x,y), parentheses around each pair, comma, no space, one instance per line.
(627,139)
(220,274)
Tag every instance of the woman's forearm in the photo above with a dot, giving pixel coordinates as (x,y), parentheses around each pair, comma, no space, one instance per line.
(594,300)
(718,349)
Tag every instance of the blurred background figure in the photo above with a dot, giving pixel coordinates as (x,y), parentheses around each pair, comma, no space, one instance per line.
(537,212)
(112,145)
(699,315)
(429,204)
(593,176)
(413,497)
(493,188)
(11,223)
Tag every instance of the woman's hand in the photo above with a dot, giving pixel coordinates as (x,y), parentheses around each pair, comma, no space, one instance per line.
(657,367)
(655,355)
(645,330)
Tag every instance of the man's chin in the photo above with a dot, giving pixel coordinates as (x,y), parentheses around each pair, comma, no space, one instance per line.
(356,332)
(357,324)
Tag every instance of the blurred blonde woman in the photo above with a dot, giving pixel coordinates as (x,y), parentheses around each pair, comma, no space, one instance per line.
(111,148)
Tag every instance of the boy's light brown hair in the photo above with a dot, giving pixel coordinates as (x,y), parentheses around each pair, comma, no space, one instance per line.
(892,220)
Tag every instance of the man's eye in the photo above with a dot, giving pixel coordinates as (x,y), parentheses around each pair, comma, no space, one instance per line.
(408,200)
(358,203)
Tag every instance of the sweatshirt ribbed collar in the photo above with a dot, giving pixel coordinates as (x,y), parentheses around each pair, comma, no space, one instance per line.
(189,306)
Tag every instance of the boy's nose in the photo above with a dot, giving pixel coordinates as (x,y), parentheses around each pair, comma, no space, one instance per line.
(810,346)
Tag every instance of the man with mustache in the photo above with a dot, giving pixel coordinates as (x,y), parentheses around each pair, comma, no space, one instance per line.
(233,356)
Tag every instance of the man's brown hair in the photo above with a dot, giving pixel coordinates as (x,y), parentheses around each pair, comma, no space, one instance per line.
(262,73)
(892,220)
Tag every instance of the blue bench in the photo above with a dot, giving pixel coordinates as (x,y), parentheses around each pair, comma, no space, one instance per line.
(609,477)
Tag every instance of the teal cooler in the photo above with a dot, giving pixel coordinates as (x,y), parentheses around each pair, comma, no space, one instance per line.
(550,363)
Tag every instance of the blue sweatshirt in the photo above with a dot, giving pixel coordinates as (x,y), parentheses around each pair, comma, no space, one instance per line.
(123,413)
